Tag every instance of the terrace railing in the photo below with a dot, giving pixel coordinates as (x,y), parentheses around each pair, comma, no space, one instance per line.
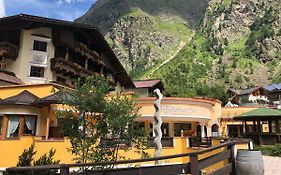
(198,161)
(200,142)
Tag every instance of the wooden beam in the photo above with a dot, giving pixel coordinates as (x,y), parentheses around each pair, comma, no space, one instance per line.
(231,160)
(223,171)
(214,159)
(21,126)
(4,127)
(255,126)
(246,127)
(270,125)
(48,123)
(277,126)
(151,170)
(259,132)
(194,164)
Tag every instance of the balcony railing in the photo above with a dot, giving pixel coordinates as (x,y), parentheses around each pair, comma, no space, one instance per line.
(200,142)
(8,50)
(85,51)
(166,142)
(61,65)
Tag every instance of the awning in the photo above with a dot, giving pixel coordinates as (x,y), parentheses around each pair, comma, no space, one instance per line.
(260,114)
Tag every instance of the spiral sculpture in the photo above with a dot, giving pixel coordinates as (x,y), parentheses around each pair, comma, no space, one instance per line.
(157,125)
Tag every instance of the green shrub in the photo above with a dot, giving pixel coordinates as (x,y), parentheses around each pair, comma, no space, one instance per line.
(270,151)
(47,159)
(26,158)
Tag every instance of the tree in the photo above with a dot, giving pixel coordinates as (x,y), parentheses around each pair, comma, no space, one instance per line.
(99,125)
(26,158)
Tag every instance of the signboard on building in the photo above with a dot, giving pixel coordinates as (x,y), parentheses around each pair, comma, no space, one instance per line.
(175,110)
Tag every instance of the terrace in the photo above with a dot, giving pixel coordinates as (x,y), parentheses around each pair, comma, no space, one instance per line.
(262,125)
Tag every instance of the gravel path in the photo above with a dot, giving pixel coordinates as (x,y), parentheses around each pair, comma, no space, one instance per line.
(272,165)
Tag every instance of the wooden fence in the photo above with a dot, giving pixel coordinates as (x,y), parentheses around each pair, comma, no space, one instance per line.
(198,161)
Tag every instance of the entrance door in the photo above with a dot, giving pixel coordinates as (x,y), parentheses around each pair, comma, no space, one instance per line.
(234,130)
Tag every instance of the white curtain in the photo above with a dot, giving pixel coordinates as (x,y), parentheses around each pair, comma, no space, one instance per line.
(13,124)
(30,123)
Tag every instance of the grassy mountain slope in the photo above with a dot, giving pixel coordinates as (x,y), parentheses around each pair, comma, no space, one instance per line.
(237,44)
(143,34)
(224,43)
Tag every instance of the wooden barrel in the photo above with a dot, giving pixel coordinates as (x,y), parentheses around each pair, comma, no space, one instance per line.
(249,163)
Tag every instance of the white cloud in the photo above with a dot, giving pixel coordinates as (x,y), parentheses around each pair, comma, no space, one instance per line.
(70,16)
(61,9)
(72,1)
(2,9)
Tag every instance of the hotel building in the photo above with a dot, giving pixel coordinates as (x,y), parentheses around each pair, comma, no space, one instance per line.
(39,56)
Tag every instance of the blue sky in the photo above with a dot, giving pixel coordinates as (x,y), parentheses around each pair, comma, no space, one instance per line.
(60,9)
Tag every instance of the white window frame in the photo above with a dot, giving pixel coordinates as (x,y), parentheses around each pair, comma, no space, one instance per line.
(42,39)
(37,65)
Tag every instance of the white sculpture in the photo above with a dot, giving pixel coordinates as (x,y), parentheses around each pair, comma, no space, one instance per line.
(157,125)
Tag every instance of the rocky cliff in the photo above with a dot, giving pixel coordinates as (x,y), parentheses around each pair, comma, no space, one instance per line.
(143,34)
(195,47)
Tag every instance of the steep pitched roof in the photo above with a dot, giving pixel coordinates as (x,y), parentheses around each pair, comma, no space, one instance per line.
(245,91)
(56,98)
(273,87)
(23,98)
(9,78)
(24,21)
(146,83)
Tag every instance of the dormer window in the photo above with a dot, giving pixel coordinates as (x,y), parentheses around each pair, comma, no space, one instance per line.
(40,46)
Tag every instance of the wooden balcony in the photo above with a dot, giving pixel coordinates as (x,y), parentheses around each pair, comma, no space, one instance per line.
(8,50)
(85,51)
(63,66)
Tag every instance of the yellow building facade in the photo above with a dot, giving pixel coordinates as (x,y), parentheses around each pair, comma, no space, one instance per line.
(183,118)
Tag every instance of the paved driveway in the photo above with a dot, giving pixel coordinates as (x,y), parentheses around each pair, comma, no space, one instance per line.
(272,165)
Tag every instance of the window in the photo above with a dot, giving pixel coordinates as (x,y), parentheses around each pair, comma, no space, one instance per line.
(13,126)
(40,46)
(64,127)
(215,130)
(29,125)
(235,130)
(165,129)
(36,71)
(25,125)
(181,127)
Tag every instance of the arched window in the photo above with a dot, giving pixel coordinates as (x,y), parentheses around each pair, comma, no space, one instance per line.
(215,130)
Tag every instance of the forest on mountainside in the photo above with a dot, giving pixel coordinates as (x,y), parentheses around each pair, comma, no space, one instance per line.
(197,48)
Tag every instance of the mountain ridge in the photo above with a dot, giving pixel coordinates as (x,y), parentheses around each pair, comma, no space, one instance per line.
(229,43)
